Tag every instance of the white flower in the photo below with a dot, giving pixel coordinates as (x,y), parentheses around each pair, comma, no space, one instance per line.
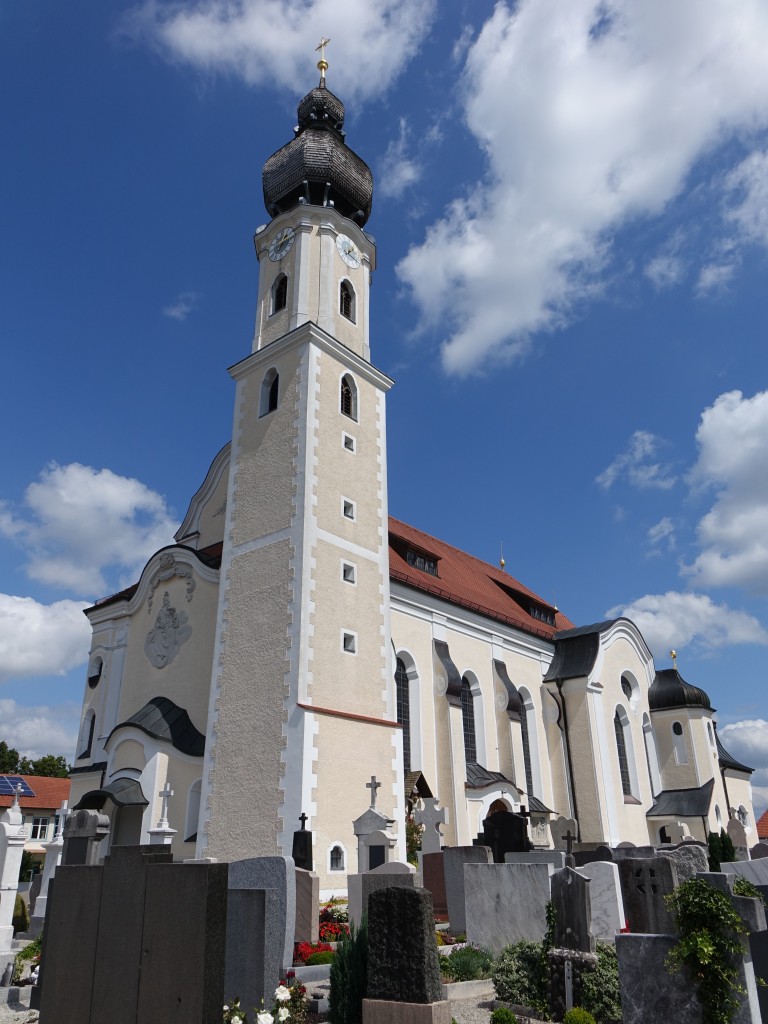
(282,994)
(283,1013)
(226,1008)
(264,1018)
(237,1020)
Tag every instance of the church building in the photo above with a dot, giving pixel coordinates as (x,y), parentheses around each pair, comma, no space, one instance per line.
(299,654)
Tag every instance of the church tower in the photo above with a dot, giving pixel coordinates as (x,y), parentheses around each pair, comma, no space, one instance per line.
(302,708)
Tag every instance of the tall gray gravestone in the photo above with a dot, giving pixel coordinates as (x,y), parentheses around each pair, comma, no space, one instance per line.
(645,881)
(559,828)
(454,859)
(277,874)
(84,832)
(689,858)
(360,887)
(307,906)
(605,899)
(505,903)
(573,911)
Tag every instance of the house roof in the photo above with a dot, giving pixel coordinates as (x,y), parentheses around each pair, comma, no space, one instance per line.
(49,793)
(762,826)
(468,582)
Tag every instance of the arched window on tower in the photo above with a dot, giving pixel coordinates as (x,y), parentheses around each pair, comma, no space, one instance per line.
(270,389)
(621,750)
(85,744)
(678,743)
(279,293)
(347,300)
(348,398)
(404,710)
(468,721)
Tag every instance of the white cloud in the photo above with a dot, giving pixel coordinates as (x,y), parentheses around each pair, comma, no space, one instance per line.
(733,456)
(272,41)
(181,307)
(79,524)
(747,741)
(41,730)
(635,466)
(591,114)
(397,170)
(41,640)
(665,271)
(677,620)
(748,209)
(714,277)
(661,532)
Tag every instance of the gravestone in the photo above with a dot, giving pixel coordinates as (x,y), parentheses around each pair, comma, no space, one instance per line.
(504,832)
(183,947)
(600,853)
(277,874)
(645,881)
(758,946)
(360,886)
(758,851)
(454,859)
(307,906)
(119,940)
(755,871)
(253,967)
(676,832)
(84,832)
(559,829)
(624,850)
(556,858)
(738,836)
(605,899)
(689,858)
(402,960)
(302,846)
(573,911)
(433,878)
(431,817)
(375,842)
(505,903)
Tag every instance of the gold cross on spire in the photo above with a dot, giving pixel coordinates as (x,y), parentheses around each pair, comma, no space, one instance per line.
(322,64)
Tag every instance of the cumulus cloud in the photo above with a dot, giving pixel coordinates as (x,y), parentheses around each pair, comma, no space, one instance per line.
(591,114)
(272,41)
(636,465)
(747,186)
(181,307)
(39,730)
(40,640)
(398,170)
(79,525)
(733,454)
(747,741)
(676,620)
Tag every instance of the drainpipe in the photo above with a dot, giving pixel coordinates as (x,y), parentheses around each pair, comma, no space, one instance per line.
(569,762)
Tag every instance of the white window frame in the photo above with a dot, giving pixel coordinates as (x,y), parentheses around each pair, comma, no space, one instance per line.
(348,509)
(345,564)
(348,636)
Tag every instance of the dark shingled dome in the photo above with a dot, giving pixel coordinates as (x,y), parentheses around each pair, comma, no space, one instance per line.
(317,167)
(670,690)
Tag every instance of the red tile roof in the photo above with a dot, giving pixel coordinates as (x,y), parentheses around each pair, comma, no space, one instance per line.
(466,581)
(49,793)
(762,826)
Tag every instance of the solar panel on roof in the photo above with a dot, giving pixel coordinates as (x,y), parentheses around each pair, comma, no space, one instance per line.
(8,784)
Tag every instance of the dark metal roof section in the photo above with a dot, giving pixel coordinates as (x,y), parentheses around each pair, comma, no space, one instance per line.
(317,167)
(453,693)
(85,769)
(479,777)
(123,792)
(514,703)
(535,806)
(669,690)
(576,651)
(416,783)
(725,759)
(164,720)
(683,803)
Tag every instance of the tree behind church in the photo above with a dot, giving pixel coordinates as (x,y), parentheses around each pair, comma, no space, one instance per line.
(53,766)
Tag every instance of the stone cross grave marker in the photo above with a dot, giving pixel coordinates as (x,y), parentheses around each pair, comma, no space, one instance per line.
(645,881)
(431,817)
(162,834)
(373,785)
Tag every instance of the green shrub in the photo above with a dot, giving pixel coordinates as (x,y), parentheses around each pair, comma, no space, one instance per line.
(503,1015)
(323,957)
(578,1016)
(20,915)
(349,977)
(743,887)
(30,952)
(521,975)
(715,854)
(466,964)
(729,850)
(600,988)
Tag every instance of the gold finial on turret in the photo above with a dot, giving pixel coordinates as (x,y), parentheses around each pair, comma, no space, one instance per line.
(502,563)
(322,64)
(673,656)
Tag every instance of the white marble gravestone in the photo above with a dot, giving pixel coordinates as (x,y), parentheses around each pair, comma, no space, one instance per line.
(605,895)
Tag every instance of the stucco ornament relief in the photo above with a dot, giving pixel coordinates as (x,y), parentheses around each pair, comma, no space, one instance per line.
(170,631)
(169,568)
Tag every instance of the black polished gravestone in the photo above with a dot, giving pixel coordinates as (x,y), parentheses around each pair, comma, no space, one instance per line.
(402,955)
(504,832)
(645,881)
(302,846)
(572,911)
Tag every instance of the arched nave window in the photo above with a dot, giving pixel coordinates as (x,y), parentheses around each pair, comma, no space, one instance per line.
(404,710)
(348,397)
(346,300)
(279,293)
(86,735)
(270,388)
(193,811)
(468,721)
(651,757)
(527,725)
(621,750)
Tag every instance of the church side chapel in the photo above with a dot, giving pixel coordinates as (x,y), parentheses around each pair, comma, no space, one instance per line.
(300,660)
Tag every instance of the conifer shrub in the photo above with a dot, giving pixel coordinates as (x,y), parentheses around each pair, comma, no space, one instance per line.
(729,850)
(349,977)
(20,918)
(577,1015)
(715,851)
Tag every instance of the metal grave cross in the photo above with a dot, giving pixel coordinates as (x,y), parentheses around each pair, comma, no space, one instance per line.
(303,819)
(373,785)
(165,793)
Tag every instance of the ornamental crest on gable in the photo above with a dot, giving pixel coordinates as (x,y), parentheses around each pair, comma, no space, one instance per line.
(169,568)
(170,631)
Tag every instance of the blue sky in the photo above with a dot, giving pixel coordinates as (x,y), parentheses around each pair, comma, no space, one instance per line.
(571,212)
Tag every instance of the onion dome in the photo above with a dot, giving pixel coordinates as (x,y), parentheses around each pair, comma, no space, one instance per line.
(670,690)
(317,167)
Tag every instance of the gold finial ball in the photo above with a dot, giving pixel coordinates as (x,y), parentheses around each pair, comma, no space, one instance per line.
(673,656)
(502,563)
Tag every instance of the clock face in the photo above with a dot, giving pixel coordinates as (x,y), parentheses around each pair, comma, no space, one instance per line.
(348,251)
(281,244)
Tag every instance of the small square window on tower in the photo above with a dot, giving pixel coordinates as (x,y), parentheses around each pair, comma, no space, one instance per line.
(349,642)
(348,442)
(348,508)
(349,572)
